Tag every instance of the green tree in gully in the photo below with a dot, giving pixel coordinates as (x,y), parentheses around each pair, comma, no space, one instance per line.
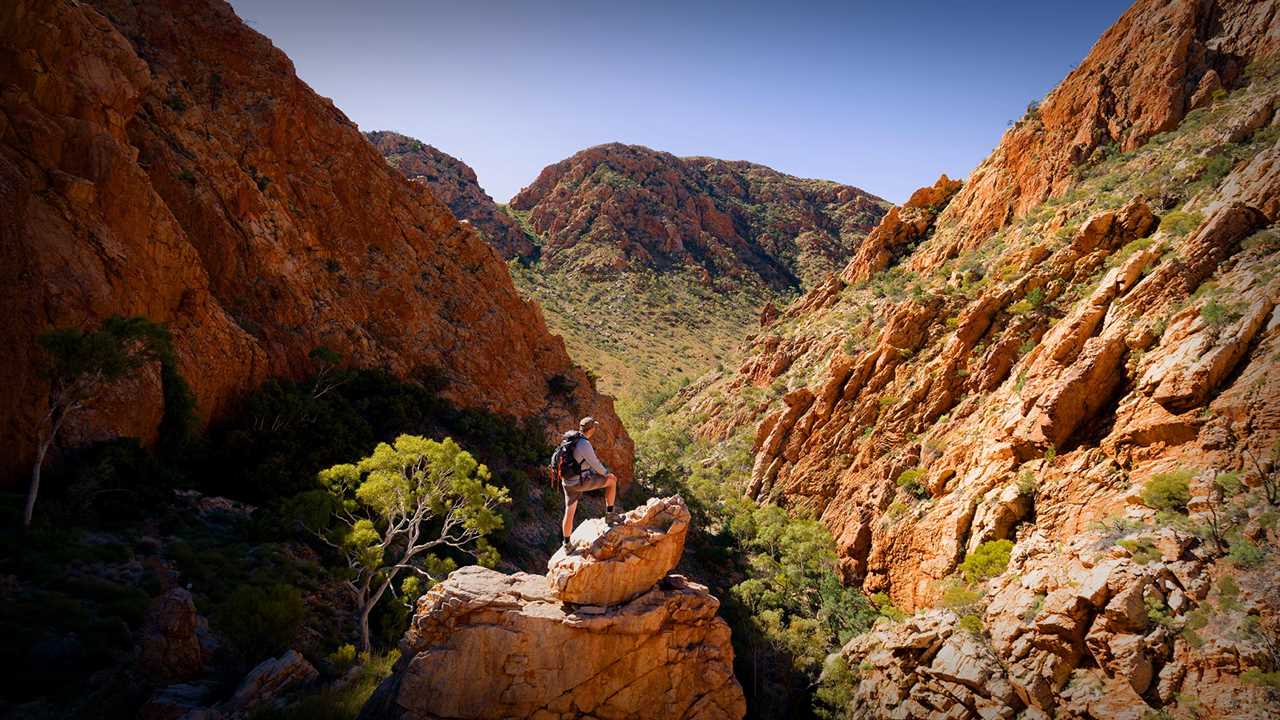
(393,511)
(80,364)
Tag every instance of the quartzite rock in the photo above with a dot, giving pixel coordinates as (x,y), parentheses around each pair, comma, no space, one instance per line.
(618,206)
(160,158)
(487,645)
(611,565)
(454,183)
(170,648)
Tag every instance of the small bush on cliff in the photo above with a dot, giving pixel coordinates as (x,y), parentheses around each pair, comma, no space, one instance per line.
(909,480)
(1170,491)
(987,560)
(1180,223)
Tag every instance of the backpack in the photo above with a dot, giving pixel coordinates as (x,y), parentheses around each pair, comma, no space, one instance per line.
(563,463)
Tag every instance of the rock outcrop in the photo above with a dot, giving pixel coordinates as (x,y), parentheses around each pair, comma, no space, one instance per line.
(1093,311)
(614,207)
(170,649)
(610,565)
(487,645)
(454,183)
(163,159)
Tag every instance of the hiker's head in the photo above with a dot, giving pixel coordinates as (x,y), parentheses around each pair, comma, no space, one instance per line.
(587,426)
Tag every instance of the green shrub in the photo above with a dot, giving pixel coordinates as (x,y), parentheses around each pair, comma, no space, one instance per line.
(971,624)
(1142,550)
(909,480)
(1245,554)
(1180,223)
(986,561)
(959,596)
(342,658)
(835,690)
(341,701)
(1217,315)
(1261,678)
(1169,491)
(261,621)
(885,608)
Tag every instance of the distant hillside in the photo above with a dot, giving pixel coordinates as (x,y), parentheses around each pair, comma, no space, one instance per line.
(654,268)
(615,207)
(454,183)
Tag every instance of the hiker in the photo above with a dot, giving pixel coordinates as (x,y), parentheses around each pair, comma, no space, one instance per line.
(580,471)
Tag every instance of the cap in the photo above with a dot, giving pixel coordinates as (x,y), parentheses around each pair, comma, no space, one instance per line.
(587,423)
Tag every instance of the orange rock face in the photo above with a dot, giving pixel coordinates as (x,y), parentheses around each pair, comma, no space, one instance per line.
(616,206)
(454,183)
(1137,81)
(162,159)
(1035,363)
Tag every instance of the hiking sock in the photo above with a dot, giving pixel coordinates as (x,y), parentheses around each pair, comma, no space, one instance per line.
(608,508)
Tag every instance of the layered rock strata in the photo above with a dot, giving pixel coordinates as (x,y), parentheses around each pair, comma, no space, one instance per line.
(610,565)
(163,159)
(487,645)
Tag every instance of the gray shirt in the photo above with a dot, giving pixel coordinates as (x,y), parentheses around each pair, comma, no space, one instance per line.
(586,457)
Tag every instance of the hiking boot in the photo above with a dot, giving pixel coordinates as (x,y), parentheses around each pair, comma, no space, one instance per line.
(612,518)
(567,546)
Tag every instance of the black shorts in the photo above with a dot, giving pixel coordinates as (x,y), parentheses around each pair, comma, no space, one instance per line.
(587,482)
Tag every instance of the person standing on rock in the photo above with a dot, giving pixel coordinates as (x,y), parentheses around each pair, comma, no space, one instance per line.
(584,473)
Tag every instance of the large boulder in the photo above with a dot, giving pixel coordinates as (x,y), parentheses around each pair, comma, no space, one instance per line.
(611,565)
(170,649)
(487,645)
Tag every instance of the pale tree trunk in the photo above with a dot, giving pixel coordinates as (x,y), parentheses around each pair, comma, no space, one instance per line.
(58,412)
(366,645)
(35,482)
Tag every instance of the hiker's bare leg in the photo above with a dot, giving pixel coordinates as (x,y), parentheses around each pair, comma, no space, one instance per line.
(611,491)
(566,525)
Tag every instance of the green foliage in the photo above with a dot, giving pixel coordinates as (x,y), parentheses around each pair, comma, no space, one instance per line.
(971,624)
(1169,491)
(79,363)
(781,590)
(1244,553)
(1218,315)
(339,701)
(1180,223)
(957,596)
(909,480)
(986,561)
(1261,678)
(1028,485)
(286,433)
(885,607)
(835,690)
(260,621)
(342,658)
(396,508)
(1143,550)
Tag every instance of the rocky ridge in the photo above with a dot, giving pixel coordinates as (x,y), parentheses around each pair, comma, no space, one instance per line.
(614,207)
(162,159)
(454,183)
(484,645)
(1091,313)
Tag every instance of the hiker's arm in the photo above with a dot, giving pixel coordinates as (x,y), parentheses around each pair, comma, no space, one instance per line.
(587,454)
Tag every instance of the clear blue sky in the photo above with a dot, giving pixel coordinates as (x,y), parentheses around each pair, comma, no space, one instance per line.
(883,95)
